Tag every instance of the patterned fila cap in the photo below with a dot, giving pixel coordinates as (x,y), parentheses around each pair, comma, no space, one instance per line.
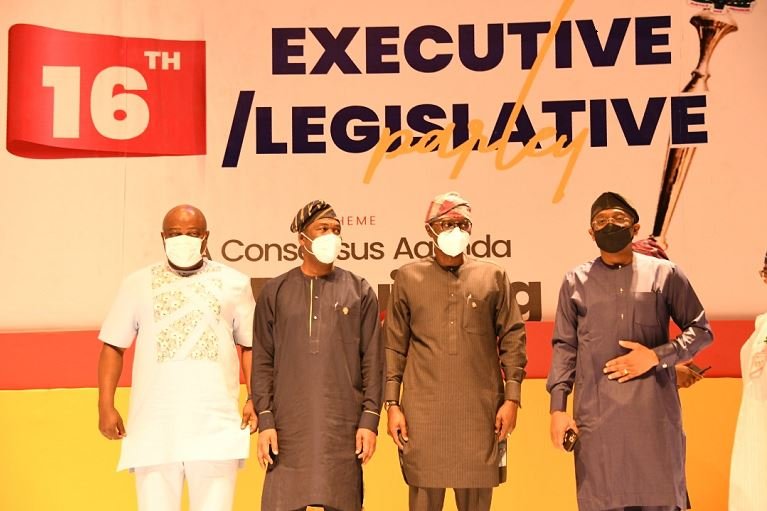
(448,204)
(315,210)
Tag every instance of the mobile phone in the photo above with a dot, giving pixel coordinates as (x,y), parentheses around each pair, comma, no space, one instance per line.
(569,440)
(502,449)
(697,370)
(270,466)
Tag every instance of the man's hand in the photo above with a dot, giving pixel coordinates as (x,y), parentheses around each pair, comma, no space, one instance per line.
(366,444)
(249,417)
(635,363)
(561,422)
(110,368)
(686,377)
(506,419)
(110,423)
(397,426)
(267,439)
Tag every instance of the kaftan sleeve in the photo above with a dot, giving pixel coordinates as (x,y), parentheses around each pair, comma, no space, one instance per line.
(242,323)
(687,312)
(122,324)
(397,338)
(371,360)
(262,372)
(510,330)
(565,349)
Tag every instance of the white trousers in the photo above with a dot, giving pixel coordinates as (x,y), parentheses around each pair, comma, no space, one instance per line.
(211,485)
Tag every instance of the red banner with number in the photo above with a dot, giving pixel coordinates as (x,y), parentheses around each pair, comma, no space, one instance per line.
(87,95)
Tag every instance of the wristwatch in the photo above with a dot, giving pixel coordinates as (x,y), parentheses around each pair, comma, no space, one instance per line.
(388,404)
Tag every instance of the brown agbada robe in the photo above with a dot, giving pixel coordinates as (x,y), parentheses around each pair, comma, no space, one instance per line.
(448,335)
(317,377)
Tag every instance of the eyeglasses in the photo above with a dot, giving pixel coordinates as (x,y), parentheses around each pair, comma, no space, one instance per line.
(601,222)
(449,225)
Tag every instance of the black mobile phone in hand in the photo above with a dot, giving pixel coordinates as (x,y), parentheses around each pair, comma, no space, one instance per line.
(697,370)
(568,442)
(271,465)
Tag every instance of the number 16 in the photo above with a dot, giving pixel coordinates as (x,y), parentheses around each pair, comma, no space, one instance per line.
(116,116)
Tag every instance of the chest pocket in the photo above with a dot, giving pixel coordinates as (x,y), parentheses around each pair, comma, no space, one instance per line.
(477,316)
(646,309)
(347,322)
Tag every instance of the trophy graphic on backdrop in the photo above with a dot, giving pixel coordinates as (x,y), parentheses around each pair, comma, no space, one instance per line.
(712,24)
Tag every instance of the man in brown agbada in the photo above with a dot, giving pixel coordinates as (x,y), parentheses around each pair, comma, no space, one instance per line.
(455,358)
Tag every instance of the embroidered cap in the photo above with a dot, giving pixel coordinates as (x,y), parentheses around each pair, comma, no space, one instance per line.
(315,210)
(448,204)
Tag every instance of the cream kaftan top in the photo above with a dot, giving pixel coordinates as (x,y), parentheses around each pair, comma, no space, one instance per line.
(184,398)
(748,472)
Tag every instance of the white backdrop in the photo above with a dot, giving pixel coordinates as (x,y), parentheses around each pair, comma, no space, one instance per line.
(73,227)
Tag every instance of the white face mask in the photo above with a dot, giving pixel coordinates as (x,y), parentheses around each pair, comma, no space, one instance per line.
(183,251)
(452,242)
(325,248)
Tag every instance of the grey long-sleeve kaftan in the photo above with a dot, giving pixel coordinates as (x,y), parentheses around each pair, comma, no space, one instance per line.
(631,450)
(317,377)
(451,336)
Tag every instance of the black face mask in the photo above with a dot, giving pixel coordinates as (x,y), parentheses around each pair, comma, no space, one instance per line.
(612,238)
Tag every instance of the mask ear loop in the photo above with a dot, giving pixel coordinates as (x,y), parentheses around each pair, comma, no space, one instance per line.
(307,237)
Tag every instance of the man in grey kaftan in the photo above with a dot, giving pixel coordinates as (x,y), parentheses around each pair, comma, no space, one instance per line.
(611,344)
(455,352)
(317,375)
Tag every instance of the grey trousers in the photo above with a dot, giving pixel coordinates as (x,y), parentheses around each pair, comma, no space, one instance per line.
(466,499)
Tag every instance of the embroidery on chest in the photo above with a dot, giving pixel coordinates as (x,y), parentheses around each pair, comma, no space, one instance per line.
(186,312)
(758,359)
